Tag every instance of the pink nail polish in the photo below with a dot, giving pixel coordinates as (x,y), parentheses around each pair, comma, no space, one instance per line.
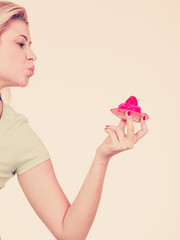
(107,126)
(144,118)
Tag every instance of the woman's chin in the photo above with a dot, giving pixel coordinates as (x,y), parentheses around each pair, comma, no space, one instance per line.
(24,82)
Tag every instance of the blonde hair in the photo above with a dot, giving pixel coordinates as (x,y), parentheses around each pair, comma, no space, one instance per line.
(10,11)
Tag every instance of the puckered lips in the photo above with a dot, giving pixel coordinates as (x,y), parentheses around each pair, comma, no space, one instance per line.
(31,70)
(131,105)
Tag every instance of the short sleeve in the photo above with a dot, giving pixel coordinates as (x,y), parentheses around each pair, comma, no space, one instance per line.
(31,150)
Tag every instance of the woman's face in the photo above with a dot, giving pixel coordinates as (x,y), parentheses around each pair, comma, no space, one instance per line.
(16,56)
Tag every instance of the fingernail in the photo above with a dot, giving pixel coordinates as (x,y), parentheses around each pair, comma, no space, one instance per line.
(129,113)
(144,118)
(107,125)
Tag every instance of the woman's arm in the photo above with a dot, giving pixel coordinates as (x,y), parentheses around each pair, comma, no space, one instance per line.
(73,221)
(81,213)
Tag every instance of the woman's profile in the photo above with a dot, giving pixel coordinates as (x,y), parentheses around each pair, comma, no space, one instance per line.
(23,153)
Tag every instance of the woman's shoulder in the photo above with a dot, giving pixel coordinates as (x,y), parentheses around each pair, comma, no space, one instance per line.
(11,113)
(11,119)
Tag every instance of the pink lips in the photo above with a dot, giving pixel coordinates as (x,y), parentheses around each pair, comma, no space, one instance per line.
(31,70)
(131,105)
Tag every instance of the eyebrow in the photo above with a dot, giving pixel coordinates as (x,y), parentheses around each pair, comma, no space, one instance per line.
(25,38)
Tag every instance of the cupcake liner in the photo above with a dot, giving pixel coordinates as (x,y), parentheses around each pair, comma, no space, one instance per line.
(136,116)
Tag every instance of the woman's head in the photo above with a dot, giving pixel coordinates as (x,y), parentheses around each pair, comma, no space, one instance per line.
(16,55)
(10,11)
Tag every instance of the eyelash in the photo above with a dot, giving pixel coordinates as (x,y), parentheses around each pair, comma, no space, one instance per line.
(21,45)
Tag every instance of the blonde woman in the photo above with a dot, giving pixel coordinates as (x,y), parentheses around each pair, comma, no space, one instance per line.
(23,153)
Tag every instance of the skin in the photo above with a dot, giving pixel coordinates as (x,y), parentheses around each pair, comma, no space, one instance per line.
(66,221)
(15,59)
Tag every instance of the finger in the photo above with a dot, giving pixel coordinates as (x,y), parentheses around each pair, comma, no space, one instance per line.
(119,133)
(122,124)
(112,135)
(130,126)
(143,131)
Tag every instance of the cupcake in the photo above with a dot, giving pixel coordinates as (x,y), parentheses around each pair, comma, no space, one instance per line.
(131,105)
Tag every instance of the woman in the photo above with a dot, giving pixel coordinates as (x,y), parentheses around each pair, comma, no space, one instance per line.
(24,154)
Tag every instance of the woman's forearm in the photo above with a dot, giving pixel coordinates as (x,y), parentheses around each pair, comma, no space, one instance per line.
(81,213)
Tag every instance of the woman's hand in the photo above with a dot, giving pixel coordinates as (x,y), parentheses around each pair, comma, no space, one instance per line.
(117,140)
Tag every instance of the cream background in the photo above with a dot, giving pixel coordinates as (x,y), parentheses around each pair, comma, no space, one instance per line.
(93,55)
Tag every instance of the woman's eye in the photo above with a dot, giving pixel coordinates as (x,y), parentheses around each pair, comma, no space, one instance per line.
(21,44)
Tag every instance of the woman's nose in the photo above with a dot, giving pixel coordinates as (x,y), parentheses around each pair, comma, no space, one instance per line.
(31,55)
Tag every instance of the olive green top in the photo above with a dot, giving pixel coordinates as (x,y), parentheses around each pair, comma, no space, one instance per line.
(20,147)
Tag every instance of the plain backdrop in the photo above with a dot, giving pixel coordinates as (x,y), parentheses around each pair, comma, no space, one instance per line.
(92,56)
